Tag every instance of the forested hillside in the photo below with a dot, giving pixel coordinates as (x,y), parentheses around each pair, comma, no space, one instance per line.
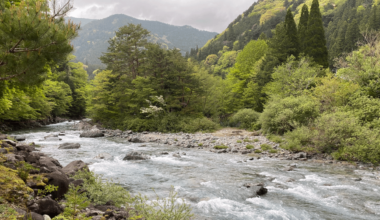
(93,37)
(342,19)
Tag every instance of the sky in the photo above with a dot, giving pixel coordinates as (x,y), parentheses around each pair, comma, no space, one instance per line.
(209,15)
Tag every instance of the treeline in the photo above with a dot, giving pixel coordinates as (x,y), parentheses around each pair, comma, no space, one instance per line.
(37,79)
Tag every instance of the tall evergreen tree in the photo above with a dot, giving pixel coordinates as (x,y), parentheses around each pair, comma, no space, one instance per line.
(352,36)
(339,46)
(291,34)
(302,28)
(373,19)
(315,38)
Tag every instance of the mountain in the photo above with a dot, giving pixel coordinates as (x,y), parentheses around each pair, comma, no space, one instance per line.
(93,36)
(264,15)
(82,21)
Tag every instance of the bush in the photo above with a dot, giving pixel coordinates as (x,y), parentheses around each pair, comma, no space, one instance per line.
(245,119)
(219,147)
(249,147)
(282,115)
(199,124)
(299,140)
(273,151)
(239,141)
(258,151)
(256,140)
(275,138)
(247,140)
(266,147)
(101,191)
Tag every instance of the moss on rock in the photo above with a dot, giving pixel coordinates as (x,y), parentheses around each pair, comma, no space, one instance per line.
(13,189)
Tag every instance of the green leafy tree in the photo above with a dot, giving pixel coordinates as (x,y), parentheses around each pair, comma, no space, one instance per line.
(31,36)
(302,28)
(316,41)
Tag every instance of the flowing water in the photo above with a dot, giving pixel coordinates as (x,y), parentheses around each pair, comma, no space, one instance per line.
(212,183)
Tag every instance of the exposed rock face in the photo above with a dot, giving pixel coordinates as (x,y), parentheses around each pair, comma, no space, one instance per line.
(74,167)
(58,179)
(46,206)
(67,146)
(92,134)
(136,156)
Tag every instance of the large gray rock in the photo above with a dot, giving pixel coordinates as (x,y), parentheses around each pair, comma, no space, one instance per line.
(20,137)
(92,134)
(49,164)
(46,206)
(74,167)
(67,146)
(58,179)
(135,140)
(136,156)
(33,216)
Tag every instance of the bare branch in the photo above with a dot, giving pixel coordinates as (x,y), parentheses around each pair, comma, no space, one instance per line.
(60,8)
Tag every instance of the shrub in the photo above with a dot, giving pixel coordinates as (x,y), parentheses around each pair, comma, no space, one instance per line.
(244,118)
(101,191)
(256,140)
(200,145)
(219,147)
(249,147)
(273,151)
(282,115)
(266,147)
(199,124)
(23,170)
(275,138)
(75,203)
(258,151)
(247,140)
(299,140)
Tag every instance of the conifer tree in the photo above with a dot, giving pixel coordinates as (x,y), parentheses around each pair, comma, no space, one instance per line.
(352,36)
(373,19)
(302,28)
(315,37)
(339,46)
(291,34)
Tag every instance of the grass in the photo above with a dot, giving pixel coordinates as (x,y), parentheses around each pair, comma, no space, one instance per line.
(200,145)
(275,139)
(239,141)
(273,151)
(247,140)
(176,139)
(258,151)
(220,147)
(249,147)
(256,140)
(266,147)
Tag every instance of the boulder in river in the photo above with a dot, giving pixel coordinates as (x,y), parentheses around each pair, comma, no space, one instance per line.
(67,146)
(20,137)
(258,188)
(136,156)
(74,167)
(92,133)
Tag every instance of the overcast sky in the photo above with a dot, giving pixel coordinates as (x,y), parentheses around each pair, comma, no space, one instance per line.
(210,15)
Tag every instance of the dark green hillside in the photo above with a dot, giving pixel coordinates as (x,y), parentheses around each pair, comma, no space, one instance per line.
(93,37)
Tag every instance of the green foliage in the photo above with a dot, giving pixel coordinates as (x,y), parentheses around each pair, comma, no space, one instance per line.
(293,44)
(249,147)
(23,170)
(244,118)
(293,77)
(101,191)
(75,203)
(275,138)
(302,28)
(258,151)
(220,147)
(282,115)
(256,140)
(315,35)
(30,38)
(239,141)
(247,140)
(48,189)
(273,151)
(266,147)
(171,207)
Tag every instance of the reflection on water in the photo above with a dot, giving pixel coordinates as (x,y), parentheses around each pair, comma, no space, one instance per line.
(212,183)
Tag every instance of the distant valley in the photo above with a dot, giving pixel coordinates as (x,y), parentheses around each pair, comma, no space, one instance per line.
(94,35)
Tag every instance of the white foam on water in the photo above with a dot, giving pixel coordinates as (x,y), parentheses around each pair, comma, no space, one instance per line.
(341,187)
(170,160)
(228,207)
(314,178)
(209,184)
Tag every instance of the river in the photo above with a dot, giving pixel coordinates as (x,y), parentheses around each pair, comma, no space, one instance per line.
(213,183)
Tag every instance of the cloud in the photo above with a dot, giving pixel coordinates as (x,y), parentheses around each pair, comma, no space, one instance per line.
(210,15)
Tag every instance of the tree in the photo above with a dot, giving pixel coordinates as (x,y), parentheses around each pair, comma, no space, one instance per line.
(352,36)
(31,36)
(315,38)
(291,34)
(373,19)
(263,36)
(302,28)
(126,50)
